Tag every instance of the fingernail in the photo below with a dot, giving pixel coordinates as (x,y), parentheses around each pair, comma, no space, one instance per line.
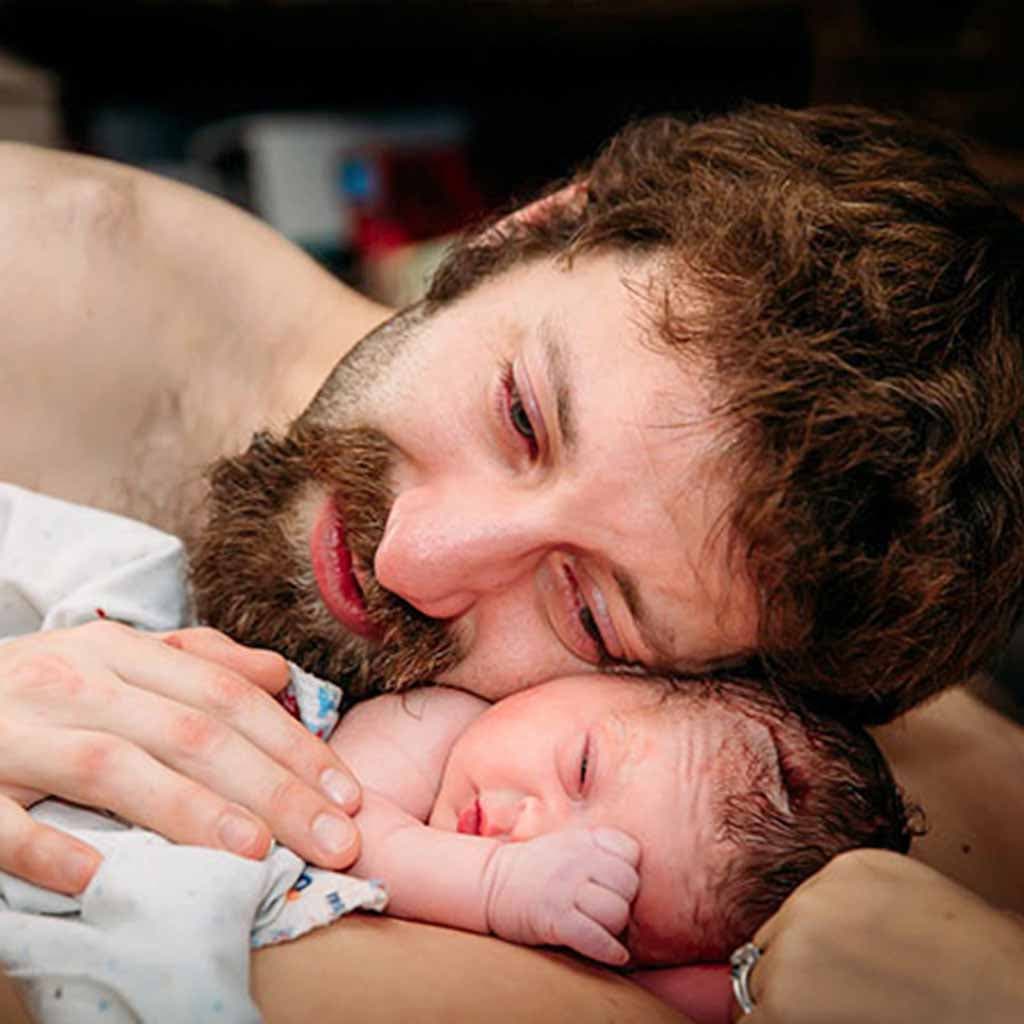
(239,832)
(79,867)
(340,788)
(334,835)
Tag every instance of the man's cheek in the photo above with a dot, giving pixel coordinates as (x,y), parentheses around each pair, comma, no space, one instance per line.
(507,655)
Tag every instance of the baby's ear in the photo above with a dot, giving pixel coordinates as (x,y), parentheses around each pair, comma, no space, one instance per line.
(701,992)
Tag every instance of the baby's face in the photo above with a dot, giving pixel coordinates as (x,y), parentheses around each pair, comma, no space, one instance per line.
(601,751)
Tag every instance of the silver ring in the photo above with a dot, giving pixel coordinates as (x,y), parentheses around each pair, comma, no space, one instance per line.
(741,963)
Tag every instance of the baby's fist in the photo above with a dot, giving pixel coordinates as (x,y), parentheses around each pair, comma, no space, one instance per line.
(570,888)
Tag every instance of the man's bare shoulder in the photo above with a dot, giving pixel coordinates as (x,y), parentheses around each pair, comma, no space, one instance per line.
(145,327)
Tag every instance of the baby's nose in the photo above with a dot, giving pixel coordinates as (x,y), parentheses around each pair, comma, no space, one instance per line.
(499,811)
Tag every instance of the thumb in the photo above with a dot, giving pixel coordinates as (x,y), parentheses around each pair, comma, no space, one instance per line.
(703,992)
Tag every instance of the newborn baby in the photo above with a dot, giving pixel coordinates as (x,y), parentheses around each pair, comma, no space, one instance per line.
(631,820)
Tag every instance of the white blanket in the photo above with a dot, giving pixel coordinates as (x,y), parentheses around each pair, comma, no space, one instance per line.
(162,933)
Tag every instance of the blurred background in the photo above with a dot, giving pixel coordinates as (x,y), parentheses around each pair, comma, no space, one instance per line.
(370,130)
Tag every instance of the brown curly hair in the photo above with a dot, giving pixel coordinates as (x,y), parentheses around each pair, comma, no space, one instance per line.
(839,795)
(863,321)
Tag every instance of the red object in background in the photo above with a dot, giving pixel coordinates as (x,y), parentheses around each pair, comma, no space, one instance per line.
(409,195)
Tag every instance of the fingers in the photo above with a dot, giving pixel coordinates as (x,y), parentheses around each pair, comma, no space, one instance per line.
(184,733)
(41,854)
(589,938)
(227,696)
(615,869)
(230,774)
(21,794)
(602,901)
(609,909)
(267,669)
(180,736)
(100,770)
(619,844)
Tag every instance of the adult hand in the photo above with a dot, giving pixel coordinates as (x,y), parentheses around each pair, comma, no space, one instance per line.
(571,888)
(178,733)
(879,937)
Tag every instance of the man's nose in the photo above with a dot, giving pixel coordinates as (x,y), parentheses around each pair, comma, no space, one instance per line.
(446,546)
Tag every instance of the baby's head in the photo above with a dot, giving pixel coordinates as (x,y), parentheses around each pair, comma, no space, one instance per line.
(733,797)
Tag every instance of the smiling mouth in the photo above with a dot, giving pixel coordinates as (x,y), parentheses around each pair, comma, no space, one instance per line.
(470,820)
(332,566)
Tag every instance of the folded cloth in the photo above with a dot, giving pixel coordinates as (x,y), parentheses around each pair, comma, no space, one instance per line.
(162,933)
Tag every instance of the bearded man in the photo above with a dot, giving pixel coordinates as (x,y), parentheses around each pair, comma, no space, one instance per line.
(747,395)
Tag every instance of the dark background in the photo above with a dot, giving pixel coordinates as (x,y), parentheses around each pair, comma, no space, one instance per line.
(543,81)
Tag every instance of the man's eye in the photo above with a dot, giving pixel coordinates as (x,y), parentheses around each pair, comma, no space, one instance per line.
(590,627)
(516,412)
(520,420)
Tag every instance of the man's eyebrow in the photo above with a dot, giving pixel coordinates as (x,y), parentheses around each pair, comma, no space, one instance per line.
(556,366)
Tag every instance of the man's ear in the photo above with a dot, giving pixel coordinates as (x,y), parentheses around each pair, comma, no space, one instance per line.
(572,196)
(701,992)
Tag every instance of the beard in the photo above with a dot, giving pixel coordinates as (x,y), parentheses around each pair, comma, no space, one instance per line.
(251,570)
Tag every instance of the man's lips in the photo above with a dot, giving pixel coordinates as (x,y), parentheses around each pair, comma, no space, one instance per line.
(332,567)
(470,820)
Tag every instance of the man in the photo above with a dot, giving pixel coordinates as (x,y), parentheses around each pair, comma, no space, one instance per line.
(791,341)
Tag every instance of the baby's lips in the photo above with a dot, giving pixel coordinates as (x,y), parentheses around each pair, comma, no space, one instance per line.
(611,840)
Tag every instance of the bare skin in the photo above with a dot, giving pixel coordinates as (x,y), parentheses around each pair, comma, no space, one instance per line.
(109,273)
(446,976)
(153,274)
(964,764)
(243,326)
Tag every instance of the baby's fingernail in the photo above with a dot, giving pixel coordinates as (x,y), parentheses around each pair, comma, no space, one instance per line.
(335,836)
(239,832)
(340,788)
(616,842)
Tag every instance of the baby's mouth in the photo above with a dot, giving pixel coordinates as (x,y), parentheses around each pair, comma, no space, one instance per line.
(469,819)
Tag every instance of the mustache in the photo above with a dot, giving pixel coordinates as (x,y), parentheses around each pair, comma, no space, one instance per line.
(250,573)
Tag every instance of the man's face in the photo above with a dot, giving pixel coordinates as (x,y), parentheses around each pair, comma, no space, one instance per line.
(538,495)
(592,751)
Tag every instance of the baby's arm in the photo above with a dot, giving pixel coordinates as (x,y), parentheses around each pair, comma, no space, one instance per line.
(570,888)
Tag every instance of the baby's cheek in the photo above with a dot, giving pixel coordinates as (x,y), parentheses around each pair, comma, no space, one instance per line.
(451,796)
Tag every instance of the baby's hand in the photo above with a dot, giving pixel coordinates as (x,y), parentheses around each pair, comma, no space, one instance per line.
(571,888)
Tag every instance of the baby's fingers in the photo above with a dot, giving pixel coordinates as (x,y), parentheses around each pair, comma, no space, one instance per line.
(618,843)
(606,908)
(41,854)
(582,934)
(612,869)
